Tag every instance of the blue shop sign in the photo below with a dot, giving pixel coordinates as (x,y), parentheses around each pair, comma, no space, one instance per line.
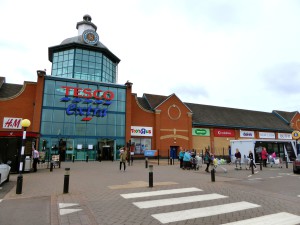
(150,153)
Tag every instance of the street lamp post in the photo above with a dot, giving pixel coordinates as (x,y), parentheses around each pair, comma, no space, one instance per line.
(25,124)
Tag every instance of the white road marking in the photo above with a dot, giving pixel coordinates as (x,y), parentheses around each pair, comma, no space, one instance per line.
(161,192)
(1,200)
(176,201)
(299,196)
(250,176)
(65,205)
(273,219)
(203,212)
(256,172)
(255,178)
(68,211)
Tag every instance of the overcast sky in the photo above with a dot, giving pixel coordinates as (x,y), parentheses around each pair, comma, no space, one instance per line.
(234,53)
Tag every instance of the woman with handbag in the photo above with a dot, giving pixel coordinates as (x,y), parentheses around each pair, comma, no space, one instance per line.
(207,159)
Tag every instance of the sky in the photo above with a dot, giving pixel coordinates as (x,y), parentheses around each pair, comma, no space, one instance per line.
(241,54)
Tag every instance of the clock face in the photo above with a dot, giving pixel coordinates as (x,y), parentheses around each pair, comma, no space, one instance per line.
(90,37)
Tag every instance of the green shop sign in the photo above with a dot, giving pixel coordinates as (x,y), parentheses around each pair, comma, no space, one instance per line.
(201,132)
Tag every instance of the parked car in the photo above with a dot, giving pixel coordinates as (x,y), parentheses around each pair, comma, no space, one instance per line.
(296,164)
(4,173)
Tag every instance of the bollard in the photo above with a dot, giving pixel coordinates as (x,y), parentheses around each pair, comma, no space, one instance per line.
(260,165)
(146,163)
(73,158)
(66,180)
(51,166)
(252,166)
(212,173)
(170,160)
(173,161)
(87,158)
(150,175)
(19,184)
(286,162)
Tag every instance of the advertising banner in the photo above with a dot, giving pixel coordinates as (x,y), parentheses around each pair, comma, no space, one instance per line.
(285,136)
(12,123)
(267,135)
(141,131)
(223,133)
(200,132)
(247,134)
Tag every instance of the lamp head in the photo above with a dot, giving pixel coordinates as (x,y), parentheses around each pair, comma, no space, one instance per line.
(25,123)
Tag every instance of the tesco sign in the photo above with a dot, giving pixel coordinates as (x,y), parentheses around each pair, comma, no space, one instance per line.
(224,133)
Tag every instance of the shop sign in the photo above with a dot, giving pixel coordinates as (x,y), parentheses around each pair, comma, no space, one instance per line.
(87,96)
(200,132)
(266,135)
(246,134)
(12,123)
(141,131)
(285,136)
(150,153)
(223,133)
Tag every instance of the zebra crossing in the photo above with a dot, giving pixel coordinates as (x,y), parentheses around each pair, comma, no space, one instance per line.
(194,213)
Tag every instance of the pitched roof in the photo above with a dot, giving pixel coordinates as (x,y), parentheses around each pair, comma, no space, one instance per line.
(215,116)
(286,116)
(9,90)
(236,118)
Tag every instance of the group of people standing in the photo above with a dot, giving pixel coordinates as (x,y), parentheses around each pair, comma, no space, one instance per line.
(188,159)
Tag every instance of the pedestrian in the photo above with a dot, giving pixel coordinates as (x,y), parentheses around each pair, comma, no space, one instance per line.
(187,160)
(181,154)
(207,159)
(264,156)
(250,156)
(123,158)
(35,156)
(237,158)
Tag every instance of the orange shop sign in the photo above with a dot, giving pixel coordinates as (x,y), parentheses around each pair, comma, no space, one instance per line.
(223,133)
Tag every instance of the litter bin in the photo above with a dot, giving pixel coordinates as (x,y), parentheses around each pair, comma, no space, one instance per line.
(27,164)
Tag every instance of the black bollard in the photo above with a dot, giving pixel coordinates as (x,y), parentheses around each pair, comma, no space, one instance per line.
(252,166)
(87,158)
(150,175)
(286,162)
(212,173)
(170,160)
(66,180)
(173,161)
(51,166)
(146,163)
(19,184)
(260,165)
(73,158)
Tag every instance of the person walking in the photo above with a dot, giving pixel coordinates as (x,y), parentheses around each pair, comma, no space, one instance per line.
(207,159)
(35,156)
(250,156)
(123,158)
(238,158)
(264,156)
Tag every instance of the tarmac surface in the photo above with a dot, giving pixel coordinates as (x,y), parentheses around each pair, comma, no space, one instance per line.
(98,194)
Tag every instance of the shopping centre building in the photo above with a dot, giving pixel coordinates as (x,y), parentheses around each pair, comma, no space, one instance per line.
(80,111)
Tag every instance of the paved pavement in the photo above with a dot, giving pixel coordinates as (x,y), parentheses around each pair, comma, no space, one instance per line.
(98,194)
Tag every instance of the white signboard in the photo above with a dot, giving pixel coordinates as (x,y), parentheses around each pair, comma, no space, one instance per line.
(141,131)
(12,123)
(267,135)
(285,136)
(246,134)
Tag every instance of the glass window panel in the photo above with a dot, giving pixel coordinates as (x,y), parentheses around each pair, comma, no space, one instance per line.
(58,115)
(57,128)
(60,58)
(46,128)
(92,65)
(92,58)
(58,102)
(101,130)
(80,129)
(121,107)
(54,72)
(70,63)
(78,62)
(49,86)
(85,52)
(69,128)
(120,131)
(69,118)
(84,64)
(120,119)
(48,100)
(65,63)
(111,130)
(54,66)
(91,129)
(85,57)
(78,57)
(47,115)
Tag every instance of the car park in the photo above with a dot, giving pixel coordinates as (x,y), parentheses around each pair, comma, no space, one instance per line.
(296,164)
(4,173)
